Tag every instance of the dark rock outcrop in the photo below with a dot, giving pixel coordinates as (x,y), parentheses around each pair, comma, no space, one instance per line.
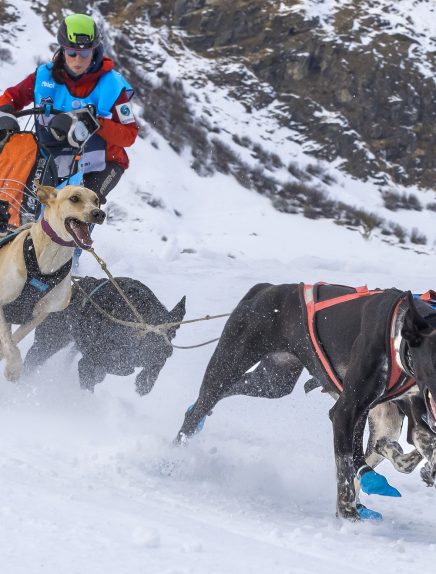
(380,106)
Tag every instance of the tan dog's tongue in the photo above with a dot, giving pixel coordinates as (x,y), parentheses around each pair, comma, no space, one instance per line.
(81,231)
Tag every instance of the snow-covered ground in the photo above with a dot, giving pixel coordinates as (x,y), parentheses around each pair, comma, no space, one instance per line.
(92,483)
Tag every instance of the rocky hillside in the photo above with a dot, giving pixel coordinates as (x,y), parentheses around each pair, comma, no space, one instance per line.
(350,82)
(354,80)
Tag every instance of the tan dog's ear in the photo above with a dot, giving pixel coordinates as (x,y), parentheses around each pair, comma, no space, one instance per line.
(45,192)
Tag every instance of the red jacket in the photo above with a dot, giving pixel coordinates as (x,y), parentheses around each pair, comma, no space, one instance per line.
(117,135)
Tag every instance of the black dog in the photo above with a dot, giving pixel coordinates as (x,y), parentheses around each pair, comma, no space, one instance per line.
(106,346)
(348,347)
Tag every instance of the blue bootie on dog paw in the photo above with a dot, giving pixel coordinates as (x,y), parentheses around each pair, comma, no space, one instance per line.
(367,513)
(200,425)
(373,483)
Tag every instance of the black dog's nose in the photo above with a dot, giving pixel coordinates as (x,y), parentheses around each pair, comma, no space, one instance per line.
(98,216)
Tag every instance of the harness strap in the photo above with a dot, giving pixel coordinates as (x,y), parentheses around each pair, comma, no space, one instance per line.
(34,272)
(360,292)
(429,297)
(401,378)
(10,236)
(87,299)
(37,285)
(396,370)
(313,307)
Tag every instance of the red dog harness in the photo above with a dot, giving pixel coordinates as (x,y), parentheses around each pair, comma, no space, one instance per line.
(397,383)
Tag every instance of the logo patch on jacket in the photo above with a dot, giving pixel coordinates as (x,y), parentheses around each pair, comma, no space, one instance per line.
(125,113)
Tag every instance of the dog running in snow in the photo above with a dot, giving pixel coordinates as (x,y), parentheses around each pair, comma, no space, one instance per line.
(35,265)
(106,346)
(372,347)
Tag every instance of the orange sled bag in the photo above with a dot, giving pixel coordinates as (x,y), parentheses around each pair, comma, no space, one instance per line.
(17,160)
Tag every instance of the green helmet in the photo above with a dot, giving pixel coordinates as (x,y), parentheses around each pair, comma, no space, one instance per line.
(79,31)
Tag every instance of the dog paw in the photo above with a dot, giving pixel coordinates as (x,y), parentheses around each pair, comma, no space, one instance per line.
(144,385)
(181,439)
(368,514)
(201,422)
(13,372)
(87,386)
(373,483)
(428,474)
(348,513)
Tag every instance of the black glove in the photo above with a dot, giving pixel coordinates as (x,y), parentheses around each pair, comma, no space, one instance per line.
(7,108)
(8,126)
(74,128)
(64,128)
(88,117)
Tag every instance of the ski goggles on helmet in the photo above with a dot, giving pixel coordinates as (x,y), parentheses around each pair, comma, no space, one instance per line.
(72,53)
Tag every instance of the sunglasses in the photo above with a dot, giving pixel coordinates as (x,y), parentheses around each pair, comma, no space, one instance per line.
(82,53)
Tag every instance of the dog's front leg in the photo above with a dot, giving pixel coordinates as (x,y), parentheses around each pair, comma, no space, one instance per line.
(385,422)
(419,434)
(14,371)
(9,349)
(90,373)
(343,417)
(425,442)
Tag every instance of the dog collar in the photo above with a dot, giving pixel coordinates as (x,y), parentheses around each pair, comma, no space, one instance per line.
(401,347)
(399,344)
(406,359)
(54,236)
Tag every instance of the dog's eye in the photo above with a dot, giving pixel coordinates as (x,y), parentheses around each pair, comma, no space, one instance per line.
(74,199)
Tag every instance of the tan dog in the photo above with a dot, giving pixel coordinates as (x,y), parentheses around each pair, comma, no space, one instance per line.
(65,225)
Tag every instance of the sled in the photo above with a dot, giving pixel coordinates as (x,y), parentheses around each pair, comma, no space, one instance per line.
(25,163)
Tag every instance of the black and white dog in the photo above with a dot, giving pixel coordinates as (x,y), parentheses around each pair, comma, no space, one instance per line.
(108,347)
(385,423)
(363,345)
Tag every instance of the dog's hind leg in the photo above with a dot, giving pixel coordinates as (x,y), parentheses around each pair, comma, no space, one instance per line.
(272,378)
(225,368)
(219,376)
(252,333)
